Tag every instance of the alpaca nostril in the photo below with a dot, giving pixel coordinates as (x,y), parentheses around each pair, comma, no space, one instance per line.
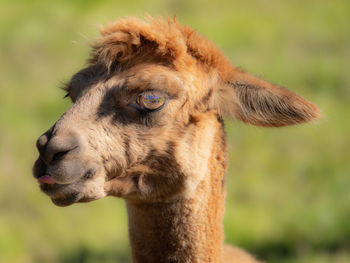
(54,145)
(56,149)
(54,153)
(59,155)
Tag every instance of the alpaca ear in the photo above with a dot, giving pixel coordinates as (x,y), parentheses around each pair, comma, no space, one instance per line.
(260,103)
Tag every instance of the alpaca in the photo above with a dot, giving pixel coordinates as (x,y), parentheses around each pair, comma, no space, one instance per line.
(146,125)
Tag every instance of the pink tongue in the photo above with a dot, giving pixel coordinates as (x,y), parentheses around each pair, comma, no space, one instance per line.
(46,179)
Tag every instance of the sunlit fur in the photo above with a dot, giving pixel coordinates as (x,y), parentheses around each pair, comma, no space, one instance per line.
(168,164)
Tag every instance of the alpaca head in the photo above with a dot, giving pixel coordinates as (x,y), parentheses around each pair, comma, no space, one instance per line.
(146,112)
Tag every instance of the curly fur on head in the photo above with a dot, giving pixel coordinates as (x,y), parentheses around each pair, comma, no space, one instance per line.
(167,40)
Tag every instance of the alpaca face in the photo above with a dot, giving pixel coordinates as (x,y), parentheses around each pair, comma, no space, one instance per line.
(130,135)
(147,114)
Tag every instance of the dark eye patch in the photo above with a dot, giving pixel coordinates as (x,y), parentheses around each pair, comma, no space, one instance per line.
(121,105)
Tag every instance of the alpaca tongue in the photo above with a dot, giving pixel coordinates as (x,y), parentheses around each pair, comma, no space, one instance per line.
(46,179)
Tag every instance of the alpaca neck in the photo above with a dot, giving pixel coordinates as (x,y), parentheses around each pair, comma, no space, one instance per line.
(183,230)
(188,227)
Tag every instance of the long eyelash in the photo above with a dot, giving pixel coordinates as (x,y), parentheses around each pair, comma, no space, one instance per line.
(65,87)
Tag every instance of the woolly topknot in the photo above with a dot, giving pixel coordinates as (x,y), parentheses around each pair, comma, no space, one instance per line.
(126,39)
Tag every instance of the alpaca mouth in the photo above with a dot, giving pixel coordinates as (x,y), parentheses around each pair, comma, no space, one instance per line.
(60,194)
(53,189)
(46,179)
(64,188)
(51,178)
(48,184)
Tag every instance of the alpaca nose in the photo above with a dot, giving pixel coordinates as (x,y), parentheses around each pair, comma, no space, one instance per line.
(54,148)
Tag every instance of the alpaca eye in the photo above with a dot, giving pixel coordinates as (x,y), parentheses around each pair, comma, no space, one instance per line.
(151,100)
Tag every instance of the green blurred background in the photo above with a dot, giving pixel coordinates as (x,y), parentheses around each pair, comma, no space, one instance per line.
(288,189)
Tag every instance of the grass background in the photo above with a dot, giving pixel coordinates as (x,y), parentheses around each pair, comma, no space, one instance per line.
(288,189)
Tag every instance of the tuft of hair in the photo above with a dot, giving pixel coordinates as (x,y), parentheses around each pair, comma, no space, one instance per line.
(130,39)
